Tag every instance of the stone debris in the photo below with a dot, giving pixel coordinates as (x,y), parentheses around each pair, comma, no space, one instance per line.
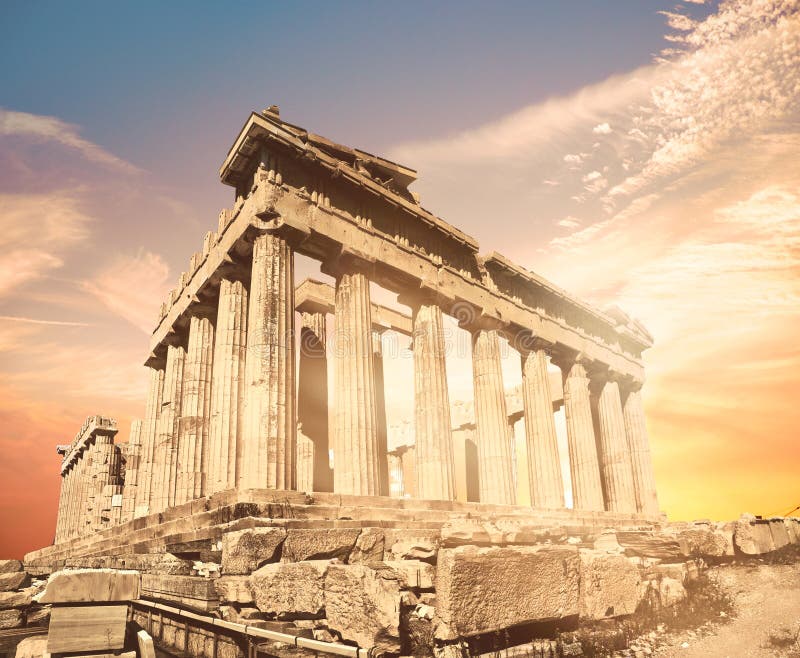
(291,590)
(245,551)
(319,544)
(13,581)
(10,566)
(363,605)
(370,546)
(610,585)
(33,647)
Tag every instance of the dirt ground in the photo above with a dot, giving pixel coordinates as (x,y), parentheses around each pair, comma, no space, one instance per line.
(767,620)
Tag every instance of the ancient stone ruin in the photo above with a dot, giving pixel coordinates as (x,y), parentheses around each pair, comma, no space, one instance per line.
(223,528)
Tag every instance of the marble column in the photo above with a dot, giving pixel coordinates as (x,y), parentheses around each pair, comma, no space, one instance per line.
(434,441)
(228,388)
(62,501)
(86,465)
(587,490)
(144,493)
(496,479)
(356,467)
(166,461)
(270,429)
(193,424)
(544,464)
(641,462)
(313,462)
(614,454)
(380,414)
(132,471)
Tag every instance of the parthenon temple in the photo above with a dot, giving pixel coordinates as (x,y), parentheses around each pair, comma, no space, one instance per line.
(228,406)
(264,485)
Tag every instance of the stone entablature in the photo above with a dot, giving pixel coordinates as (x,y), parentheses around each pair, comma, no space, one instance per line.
(92,427)
(407,248)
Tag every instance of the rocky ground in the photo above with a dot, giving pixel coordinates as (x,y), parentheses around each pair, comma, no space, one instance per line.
(753,611)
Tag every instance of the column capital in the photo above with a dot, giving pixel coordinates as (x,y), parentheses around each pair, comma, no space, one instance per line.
(526,342)
(565,358)
(348,261)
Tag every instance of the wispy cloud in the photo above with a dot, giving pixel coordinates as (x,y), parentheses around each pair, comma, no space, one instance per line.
(47,128)
(59,323)
(132,287)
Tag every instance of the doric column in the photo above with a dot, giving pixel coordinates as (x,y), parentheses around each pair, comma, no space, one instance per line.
(356,467)
(639,443)
(587,490)
(434,441)
(544,465)
(491,420)
(614,454)
(132,470)
(86,463)
(62,504)
(313,462)
(270,428)
(195,411)
(144,493)
(228,388)
(167,434)
(380,414)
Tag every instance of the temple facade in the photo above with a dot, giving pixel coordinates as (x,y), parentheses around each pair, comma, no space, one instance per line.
(232,405)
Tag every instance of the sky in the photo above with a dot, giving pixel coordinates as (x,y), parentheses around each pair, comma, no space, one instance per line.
(644,154)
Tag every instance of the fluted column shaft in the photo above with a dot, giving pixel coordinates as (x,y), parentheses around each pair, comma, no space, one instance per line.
(270,423)
(496,477)
(434,441)
(313,463)
(544,464)
(380,414)
(69,502)
(355,433)
(613,451)
(636,431)
(132,471)
(144,493)
(86,464)
(62,498)
(228,387)
(587,490)
(166,461)
(193,424)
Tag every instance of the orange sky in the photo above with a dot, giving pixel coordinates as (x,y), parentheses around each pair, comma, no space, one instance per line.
(672,190)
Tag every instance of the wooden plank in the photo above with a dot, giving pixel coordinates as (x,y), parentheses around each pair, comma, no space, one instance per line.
(87,628)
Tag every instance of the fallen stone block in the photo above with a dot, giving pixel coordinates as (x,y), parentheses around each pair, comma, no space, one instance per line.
(363,605)
(706,540)
(76,629)
(234,589)
(610,585)
(244,551)
(10,566)
(480,590)
(14,580)
(780,536)
(648,544)
(146,647)
(413,574)
(792,530)
(319,543)
(20,599)
(193,591)
(411,545)
(369,547)
(11,619)
(33,647)
(38,616)
(90,586)
(291,590)
(753,536)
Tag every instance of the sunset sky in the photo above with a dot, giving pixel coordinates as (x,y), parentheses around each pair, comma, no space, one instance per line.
(641,153)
